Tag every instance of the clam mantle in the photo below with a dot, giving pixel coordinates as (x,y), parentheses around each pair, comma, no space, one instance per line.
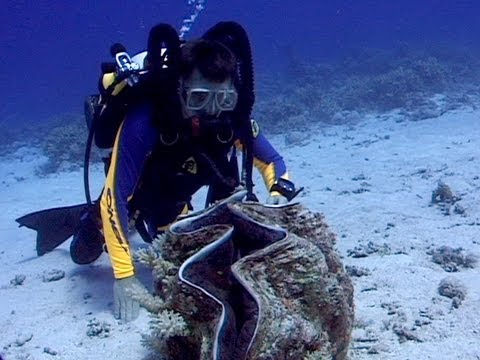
(249,281)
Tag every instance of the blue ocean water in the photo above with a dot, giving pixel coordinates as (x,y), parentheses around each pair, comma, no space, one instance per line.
(51,50)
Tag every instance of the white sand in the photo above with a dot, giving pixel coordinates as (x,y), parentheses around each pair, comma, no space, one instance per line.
(399,163)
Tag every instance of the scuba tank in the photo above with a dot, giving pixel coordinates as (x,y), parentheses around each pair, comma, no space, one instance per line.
(152,72)
(103,118)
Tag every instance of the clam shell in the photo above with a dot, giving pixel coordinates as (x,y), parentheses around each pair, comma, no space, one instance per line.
(255,282)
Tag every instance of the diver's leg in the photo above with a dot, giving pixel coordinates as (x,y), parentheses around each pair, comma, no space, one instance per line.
(88,242)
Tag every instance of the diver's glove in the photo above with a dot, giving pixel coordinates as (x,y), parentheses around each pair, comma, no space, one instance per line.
(276,199)
(282,192)
(125,307)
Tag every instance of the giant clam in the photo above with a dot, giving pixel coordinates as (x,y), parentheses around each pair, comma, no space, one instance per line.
(249,281)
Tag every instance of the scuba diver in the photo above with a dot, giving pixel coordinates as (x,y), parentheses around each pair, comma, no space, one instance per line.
(175,116)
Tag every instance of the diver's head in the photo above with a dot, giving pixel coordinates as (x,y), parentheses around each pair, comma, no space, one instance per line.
(207,79)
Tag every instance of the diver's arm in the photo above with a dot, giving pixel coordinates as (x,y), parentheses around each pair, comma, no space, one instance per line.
(266,159)
(274,172)
(134,142)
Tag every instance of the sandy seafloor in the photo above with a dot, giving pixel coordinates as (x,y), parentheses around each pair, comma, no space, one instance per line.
(373,181)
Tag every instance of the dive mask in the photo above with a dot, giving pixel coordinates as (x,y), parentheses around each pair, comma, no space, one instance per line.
(197,99)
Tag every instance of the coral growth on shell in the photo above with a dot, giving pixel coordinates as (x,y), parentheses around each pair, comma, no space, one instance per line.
(247,281)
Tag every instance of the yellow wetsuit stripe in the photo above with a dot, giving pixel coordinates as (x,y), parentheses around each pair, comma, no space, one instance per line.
(267,170)
(268,173)
(115,237)
(108,80)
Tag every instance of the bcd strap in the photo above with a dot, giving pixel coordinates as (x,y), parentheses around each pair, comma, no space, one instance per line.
(92,108)
(234,36)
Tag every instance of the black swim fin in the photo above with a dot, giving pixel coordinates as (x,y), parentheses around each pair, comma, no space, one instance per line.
(54,226)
